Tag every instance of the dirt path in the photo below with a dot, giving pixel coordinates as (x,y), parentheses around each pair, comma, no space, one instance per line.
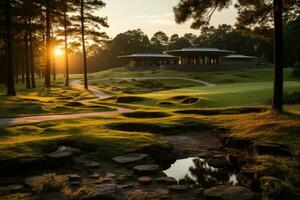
(5,122)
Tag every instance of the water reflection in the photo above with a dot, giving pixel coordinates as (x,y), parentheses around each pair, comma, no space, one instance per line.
(195,171)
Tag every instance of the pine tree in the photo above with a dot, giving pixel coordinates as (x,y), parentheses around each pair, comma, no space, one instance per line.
(10,71)
(90,27)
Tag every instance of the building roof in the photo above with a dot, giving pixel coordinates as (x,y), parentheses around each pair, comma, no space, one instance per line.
(199,52)
(148,55)
(236,56)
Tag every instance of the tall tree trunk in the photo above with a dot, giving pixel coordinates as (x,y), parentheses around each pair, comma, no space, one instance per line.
(27,66)
(32,70)
(22,71)
(278,57)
(53,57)
(66,47)
(83,45)
(16,71)
(10,70)
(48,46)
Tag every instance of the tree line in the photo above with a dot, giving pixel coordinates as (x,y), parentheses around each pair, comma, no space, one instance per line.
(223,37)
(31,29)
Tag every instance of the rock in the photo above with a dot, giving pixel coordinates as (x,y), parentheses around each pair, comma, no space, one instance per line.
(94,176)
(166,180)
(179,188)
(146,169)
(62,152)
(205,154)
(236,142)
(228,192)
(130,158)
(14,187)
(106,192)
(53,195)
(145,180)
(273,149)
(73,177)
(92,164)
(30,180)
(218,162)
(74,104)
(125,186)
(236,160)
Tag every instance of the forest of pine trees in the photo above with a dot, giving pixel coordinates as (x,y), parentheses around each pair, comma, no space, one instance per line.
(34,28)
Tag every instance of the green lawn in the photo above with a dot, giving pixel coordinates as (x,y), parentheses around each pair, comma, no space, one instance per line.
(42,101)
(216,77)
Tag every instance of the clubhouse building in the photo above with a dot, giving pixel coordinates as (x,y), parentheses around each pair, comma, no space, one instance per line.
(190,59)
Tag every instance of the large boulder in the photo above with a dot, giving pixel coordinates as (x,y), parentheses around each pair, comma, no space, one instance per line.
(228,192)
(106,192)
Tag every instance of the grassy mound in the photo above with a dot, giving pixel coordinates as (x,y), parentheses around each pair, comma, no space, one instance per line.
(129,99)
(165,129)
(228,111)
(144,114)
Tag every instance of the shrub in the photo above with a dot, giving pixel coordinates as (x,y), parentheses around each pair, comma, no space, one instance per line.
(49,183)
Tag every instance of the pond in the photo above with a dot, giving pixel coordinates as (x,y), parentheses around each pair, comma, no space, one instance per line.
(195,171)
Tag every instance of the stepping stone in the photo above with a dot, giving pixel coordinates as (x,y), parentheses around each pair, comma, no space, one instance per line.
(146,169)
(166,180)
(92,164)
(179,188)
(106,191)
(145,180)
(30,180)
(63,152)
(205,154)
(218,162)
(127,186)
(228,192)
(130,158)
(14,187)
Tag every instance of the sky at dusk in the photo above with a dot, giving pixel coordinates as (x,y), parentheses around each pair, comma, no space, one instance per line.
(152,16)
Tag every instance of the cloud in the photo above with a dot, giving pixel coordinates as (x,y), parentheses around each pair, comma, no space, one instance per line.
(162,19)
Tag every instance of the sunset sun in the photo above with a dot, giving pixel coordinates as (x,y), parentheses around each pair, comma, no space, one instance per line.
(58,52)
